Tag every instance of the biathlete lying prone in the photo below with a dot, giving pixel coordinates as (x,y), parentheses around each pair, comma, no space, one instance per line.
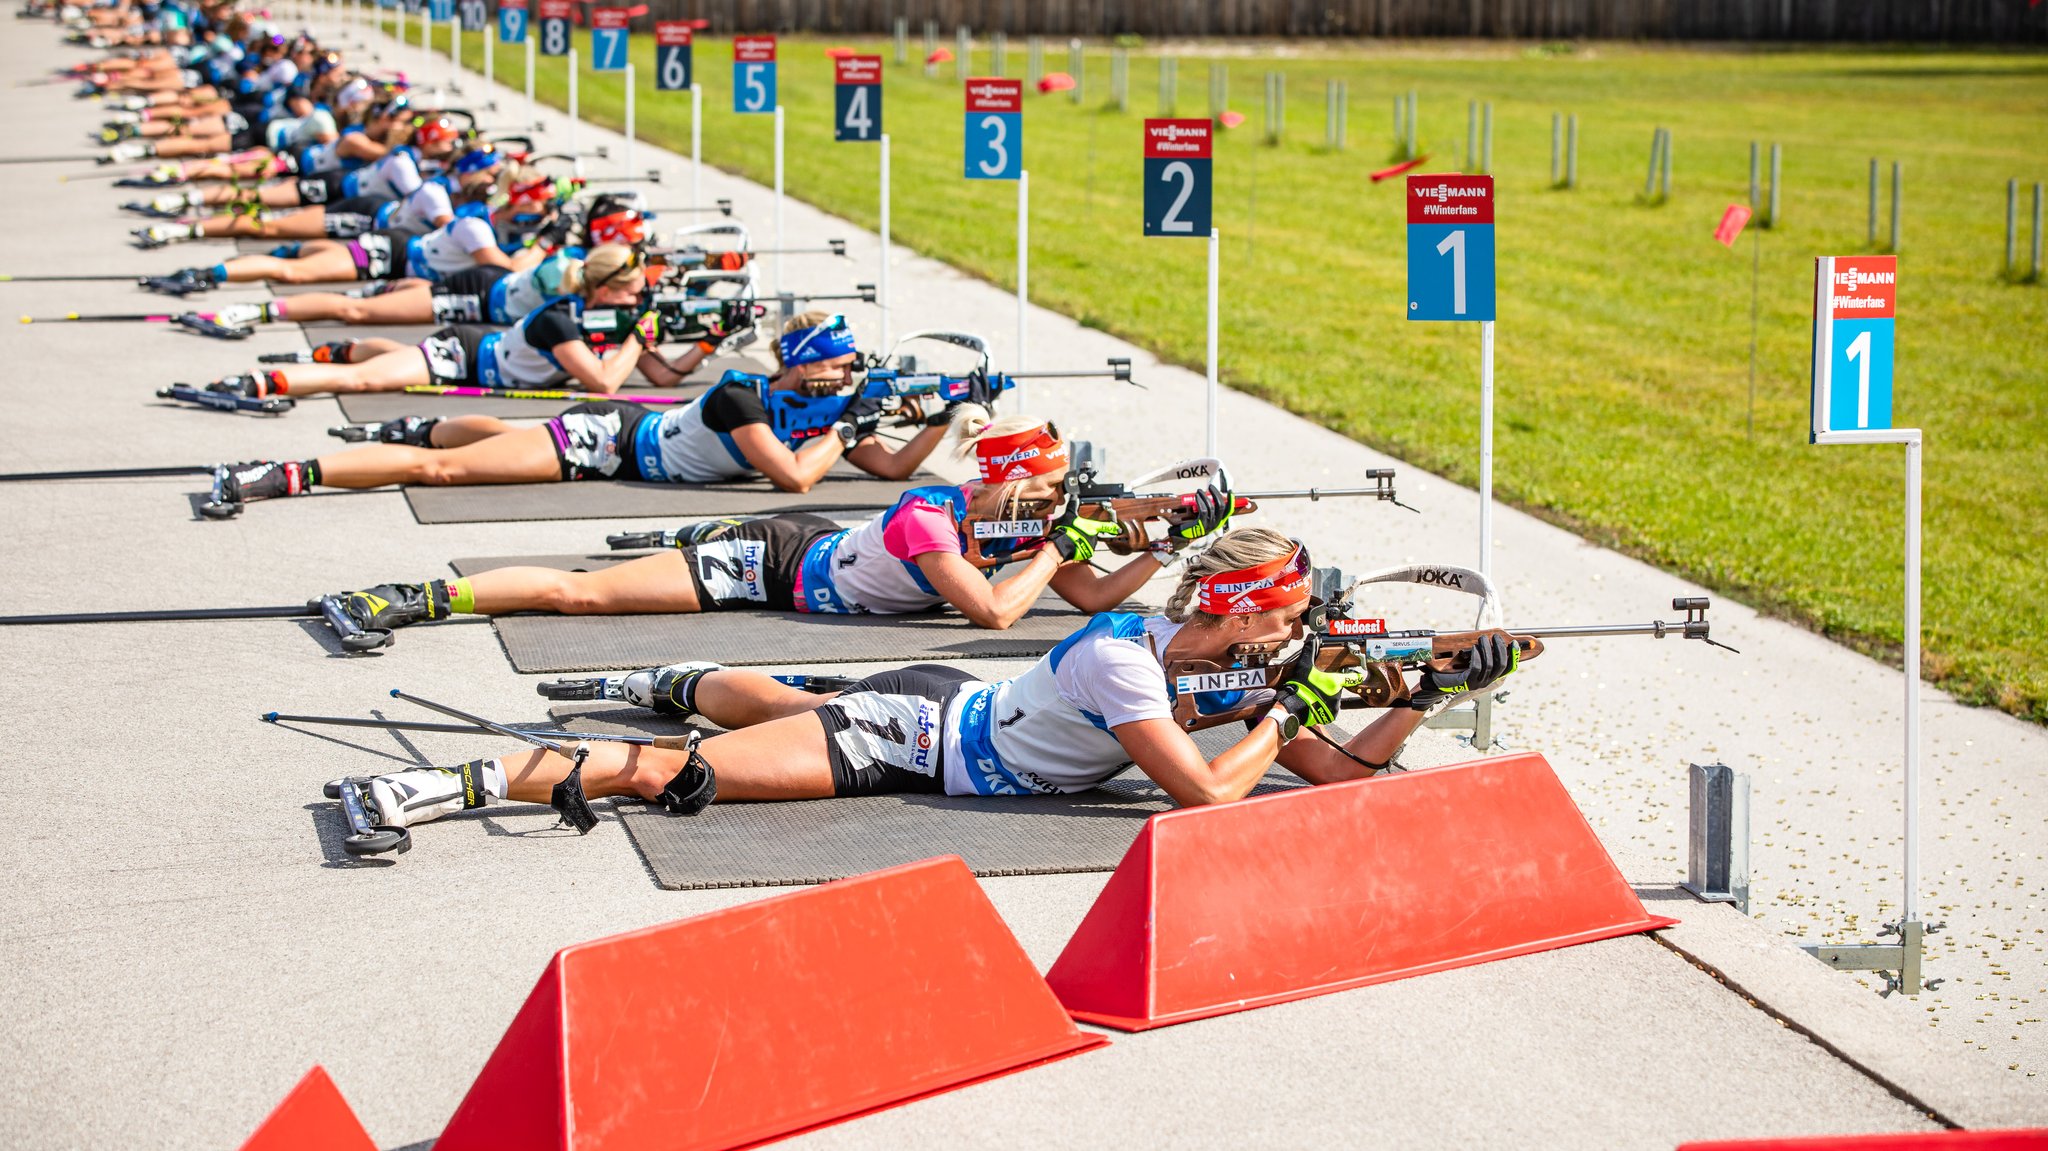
(1099,702)
(912,558)
(791,428)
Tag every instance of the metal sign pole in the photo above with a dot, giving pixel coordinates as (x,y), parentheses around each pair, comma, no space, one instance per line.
(531,122)
(696,145)
(1209,434)
(1482,707)
(575,116)
(1023,272)
(630,134)
(882,279)
(779,239)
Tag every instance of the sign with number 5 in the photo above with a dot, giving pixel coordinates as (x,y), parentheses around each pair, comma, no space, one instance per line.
(995,128)
(1450,248)
(1177,177)
(753,74)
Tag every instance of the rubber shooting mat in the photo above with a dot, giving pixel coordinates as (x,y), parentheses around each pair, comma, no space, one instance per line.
(375,407)
(815,841)
(565,643)
(844,489)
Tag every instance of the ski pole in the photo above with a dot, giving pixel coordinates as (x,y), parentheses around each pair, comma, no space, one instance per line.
(109,318)
(173,615)
(104,474)
(454,728)
(67,279)
(513,394)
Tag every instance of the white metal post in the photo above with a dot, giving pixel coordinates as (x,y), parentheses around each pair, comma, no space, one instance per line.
(398,24)
(1023,270)
(454,50)
(779,244)
(882,280)
(630,158)
(1209,437)
(1486,448)
(530,38)
(1909,911)
(575,118)
(490,70)
(426,41)
(696,145)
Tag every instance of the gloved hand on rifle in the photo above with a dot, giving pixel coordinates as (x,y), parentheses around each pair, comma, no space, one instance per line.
(1074,537)
(724,324)
(1307,693)
(1490,660)
(648,328)
(1213,509)
(861,419)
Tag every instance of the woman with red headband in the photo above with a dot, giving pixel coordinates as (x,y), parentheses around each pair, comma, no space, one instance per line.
(1100,702)
(912,558)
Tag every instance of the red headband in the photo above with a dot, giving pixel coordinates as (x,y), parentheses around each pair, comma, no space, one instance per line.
(1031,452)
(1274,584)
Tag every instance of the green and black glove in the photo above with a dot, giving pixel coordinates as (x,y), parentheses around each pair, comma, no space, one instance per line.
(1213,509)
(1308,694)
(1074,537)
(1490,660)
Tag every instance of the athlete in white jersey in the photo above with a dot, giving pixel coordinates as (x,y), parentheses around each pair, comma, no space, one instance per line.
(1099,703)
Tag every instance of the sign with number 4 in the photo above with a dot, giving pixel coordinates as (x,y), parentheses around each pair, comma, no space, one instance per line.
(1450,248)
(1178,159)
(857,98)
(995,128)
(672,64)
(1855,302)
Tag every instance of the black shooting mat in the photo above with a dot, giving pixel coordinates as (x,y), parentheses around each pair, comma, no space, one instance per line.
(564,643)
(797,843)
(844,489)
(375,407)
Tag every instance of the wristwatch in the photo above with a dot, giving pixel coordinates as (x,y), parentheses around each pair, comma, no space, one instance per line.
(1290,723)
(848,434)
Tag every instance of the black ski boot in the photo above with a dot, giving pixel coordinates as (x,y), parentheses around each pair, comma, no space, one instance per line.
(210,326)
(236,484)
(413,431)
(182,282)
(255,385)
(380,610)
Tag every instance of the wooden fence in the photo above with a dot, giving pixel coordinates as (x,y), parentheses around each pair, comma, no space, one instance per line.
(1919,21)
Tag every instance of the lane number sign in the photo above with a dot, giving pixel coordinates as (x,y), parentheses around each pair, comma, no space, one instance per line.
(1855,301)
(554,26)
(753,74)
(1450,248)
(857,98)
(1177,177)
(673,70)
(475,13)
(995,128)
(511,21)
(440,10)
(609,30)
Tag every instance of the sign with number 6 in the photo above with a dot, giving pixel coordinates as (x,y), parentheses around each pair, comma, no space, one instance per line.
(673,69)
(1178,158)
(995,128)
(1450,248)
(753,74)
(1855,304)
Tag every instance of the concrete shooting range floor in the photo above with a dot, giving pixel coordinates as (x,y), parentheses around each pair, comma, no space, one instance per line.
(184,939)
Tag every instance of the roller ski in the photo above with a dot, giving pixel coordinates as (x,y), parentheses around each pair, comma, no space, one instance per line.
(215,325)
(183,282)
(332,352)
(235,485)
(703,531)
(250,385)
(413,431)
(670,690)
(221,401)
(167,176)
(367,620)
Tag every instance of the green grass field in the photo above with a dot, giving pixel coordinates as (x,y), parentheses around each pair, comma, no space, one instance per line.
(1623,351)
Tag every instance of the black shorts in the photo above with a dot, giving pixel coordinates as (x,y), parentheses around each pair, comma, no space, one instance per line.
(593,441)
(464,297)
(755,563)
(883,734)
(325,188)
(358,205)
(452,353)
(379,255)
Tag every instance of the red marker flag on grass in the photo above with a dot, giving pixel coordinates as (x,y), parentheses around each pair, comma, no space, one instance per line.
(1055,82)
(1390,173)
(1731,224)
(1231,119)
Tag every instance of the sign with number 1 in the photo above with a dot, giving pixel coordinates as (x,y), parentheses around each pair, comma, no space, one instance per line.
(673,71)
(609,29)
(857,98)
(554,26)
(1855,302)
(753,74)
(995,128)
(511,21)
(1177,177)
(1450,248)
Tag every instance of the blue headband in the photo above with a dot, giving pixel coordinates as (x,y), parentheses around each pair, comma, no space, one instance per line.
(476,160)
(827,341)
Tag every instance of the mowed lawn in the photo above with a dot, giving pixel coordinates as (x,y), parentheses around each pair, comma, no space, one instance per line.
(1623,337)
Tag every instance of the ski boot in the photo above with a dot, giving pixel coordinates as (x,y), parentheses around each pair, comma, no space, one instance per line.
(413,431)
(183,282)
(380,808)
(168,176)
(169,207)
(665,690)
(129,153)
(215,325)
(234,485)
(333,352)
(255,385)
(367,618)
(703,531)
(226,401)
(159,235)
(114,133)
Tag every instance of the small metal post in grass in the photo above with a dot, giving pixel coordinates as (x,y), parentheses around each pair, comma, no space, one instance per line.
(902,40)
(963,52)
(1414,138)
(1219,89)
(1400,124)
(2035,274)
(1343,113)
(1486,138)
(1777,169)
(1897,188)
(1077,64)
(1333,115)
(1034,60)
(1571,151)
(1872,236)
(1471,135)
(931,38)
(1664,184)
(999,54)
(1556,147)
(1650,178)
(2012,225)
(1756,155)
(1119,79)
(1169,85)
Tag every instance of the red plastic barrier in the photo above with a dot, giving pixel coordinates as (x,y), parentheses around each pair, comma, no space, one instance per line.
(313,1117)
(767,1019)
(1219,909)
(2030,1139)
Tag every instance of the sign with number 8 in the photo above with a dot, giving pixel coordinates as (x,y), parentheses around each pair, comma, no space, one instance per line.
(995,128)
(554,26)
(1178,162)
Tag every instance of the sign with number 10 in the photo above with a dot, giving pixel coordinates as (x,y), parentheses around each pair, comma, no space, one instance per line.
(673,70)
(1855,301)
(857,98)
(609,29)
(511,21)
(554,26)
(1177,177)
(753,74)
(1450,248)
(475,13)
(995,128)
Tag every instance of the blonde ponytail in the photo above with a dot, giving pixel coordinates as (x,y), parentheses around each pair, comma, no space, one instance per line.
(1232,551)
(602,266)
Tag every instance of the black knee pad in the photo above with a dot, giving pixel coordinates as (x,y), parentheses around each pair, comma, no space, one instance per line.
(693,788)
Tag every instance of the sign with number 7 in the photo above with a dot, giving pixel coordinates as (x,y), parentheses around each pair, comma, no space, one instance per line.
(1450,248)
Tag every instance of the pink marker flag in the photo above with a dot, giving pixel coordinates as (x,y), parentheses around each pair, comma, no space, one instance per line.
(1731,224)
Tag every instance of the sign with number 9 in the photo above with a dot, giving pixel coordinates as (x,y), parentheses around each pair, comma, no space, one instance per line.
(512,21)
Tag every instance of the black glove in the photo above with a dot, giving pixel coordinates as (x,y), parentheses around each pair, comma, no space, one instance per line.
(1307,692)
(1489,661)
(860,420)
(1213,509)
(982,390)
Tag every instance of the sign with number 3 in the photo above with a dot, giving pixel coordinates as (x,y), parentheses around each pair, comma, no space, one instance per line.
(995,128)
